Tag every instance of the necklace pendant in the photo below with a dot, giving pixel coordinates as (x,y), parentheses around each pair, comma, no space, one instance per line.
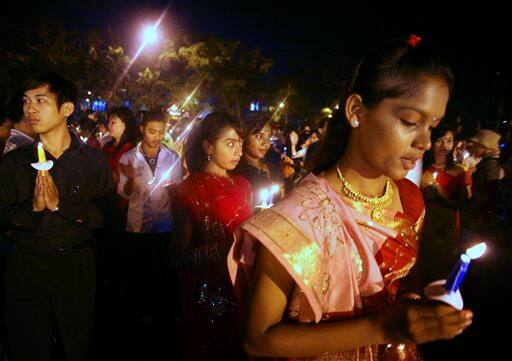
(377,215)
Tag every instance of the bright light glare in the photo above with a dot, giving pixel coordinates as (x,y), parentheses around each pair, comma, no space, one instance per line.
(264,195)
(476,251)
(150,34)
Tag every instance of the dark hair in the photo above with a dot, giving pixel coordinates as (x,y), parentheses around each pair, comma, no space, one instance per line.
(209,129)
(392,70)
(14,107)
(131,132)
(254,122)
(154,116)
(63,89)
(438,133)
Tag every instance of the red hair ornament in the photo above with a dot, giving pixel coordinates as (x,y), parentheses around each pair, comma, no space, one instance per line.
(413,40)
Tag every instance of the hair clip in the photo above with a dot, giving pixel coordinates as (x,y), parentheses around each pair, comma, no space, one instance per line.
(413,40)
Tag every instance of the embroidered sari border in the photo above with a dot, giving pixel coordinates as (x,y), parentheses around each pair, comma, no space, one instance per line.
(301,257)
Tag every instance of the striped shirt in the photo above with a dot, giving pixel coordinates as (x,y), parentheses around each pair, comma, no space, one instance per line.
(17,139)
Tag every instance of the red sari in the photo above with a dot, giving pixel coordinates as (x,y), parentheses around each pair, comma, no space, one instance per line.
(114,154)
(209,312)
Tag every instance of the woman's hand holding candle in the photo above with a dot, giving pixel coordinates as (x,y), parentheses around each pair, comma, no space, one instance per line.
(422,322)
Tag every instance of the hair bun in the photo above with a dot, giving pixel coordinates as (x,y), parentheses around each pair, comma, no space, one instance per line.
(413,40)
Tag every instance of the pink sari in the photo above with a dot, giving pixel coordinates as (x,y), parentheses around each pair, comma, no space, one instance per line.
(343,264)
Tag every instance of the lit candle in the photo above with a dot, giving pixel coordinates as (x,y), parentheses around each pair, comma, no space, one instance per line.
(41,156)
(461,267)
(264,195)
(274,190)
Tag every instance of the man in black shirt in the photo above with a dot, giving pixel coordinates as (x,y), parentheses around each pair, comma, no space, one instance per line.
(49,276)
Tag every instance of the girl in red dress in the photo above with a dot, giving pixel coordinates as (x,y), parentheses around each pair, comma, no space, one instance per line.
(208,206)
(447,188)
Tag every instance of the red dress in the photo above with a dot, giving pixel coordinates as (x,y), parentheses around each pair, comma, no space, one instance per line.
(441,237)
(114,154)
(209,312)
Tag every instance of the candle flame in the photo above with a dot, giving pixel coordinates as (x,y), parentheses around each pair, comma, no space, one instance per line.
(264,194)
(435,175)
(476,251)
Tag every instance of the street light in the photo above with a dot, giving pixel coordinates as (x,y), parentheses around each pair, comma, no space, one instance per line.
(150,34)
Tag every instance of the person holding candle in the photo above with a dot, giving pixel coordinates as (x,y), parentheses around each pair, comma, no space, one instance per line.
(49,276)
(208,206)
(325,265)
(447,188)
(260,174)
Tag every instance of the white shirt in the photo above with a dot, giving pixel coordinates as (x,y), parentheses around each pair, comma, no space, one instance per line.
(149,209)
(17,139)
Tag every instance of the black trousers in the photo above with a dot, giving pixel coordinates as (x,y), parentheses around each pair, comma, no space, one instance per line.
(44,291)
(148,281)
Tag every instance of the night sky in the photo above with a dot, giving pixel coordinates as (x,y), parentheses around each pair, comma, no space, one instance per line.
(305,39)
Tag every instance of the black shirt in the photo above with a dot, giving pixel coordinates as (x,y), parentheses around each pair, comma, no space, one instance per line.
(84,181)
(258,178)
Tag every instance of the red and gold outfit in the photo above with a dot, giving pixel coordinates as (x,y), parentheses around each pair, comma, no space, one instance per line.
(216,206)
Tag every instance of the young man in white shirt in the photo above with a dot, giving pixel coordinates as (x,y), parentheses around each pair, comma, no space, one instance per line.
(148,174)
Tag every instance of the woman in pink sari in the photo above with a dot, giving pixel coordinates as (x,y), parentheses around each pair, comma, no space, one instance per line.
(324,267)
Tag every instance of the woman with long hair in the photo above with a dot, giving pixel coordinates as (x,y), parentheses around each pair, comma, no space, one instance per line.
(208,206)
(446,188)
(325,265)
(123,130)
(263,176)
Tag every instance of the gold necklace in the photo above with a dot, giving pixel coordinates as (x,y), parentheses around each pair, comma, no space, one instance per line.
(379,203)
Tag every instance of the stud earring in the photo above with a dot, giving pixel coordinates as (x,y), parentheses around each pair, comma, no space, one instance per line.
(209,158)
(355,123)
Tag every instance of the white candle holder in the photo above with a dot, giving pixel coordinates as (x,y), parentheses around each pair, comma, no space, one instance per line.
(45,166)
(436,291)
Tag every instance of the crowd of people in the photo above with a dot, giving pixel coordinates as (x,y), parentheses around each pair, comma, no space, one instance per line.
(125,239)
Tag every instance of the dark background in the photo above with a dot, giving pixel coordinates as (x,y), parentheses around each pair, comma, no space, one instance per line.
(314,43)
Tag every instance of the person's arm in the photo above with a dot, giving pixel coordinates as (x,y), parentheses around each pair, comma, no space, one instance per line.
(184,253)
(127,174)
(266,334)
